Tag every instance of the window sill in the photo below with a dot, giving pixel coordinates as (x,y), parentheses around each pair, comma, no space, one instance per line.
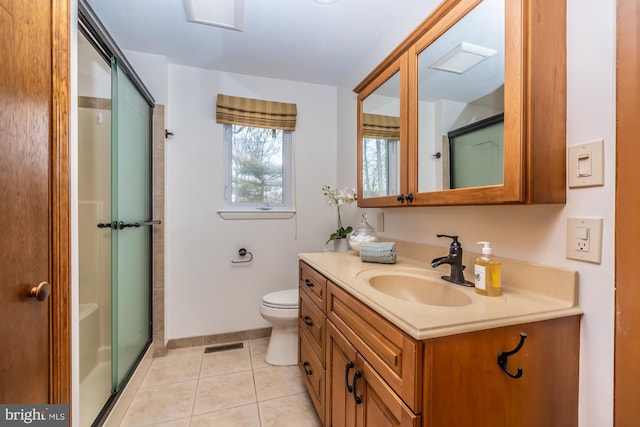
(256,214)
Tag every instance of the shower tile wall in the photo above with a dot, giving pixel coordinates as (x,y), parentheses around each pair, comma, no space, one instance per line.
(159,348)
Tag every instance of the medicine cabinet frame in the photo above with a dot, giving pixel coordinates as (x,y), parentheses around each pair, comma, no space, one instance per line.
(534,113)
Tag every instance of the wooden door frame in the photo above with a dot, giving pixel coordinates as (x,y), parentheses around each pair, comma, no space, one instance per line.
(627,227)
(60,235)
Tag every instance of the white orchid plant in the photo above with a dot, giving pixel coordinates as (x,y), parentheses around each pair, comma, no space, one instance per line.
(338,198)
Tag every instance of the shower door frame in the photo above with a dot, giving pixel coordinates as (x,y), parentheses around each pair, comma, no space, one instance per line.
(96,33)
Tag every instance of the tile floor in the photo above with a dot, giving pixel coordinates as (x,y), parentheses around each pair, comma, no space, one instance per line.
(235,388)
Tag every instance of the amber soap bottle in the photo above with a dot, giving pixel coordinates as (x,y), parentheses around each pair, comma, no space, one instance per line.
(487,273)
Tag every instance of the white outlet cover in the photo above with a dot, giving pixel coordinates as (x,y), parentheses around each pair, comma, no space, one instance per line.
(594,234)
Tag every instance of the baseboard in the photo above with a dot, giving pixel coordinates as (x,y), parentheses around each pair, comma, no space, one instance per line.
(218,338)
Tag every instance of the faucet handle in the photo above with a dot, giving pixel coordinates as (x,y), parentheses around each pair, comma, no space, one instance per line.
(456,247)
(455,239)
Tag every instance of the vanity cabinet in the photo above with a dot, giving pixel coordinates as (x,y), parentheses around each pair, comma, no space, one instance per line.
(367,372)
(464,386)
(494,133)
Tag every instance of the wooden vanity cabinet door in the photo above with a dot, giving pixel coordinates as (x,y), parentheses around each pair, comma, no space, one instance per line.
(340,405)
(464,386)
(380,406)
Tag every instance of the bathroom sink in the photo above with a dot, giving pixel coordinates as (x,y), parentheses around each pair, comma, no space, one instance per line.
(417,287)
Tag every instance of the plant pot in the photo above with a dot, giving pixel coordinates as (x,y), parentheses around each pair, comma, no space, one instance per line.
(341,245)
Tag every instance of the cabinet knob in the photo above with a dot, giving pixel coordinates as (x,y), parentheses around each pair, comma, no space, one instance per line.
(40,292)
(400,198)
(307,321)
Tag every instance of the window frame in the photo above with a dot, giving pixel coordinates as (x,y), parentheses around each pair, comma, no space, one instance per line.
(262,210)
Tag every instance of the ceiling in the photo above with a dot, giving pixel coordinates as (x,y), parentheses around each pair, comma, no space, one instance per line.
(297,40)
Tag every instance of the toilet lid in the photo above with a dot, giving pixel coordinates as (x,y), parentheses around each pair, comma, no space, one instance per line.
(281,299)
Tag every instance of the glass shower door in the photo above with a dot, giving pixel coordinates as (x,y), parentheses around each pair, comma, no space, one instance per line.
(131,219)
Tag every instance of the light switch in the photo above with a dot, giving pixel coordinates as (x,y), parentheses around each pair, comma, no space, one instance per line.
(584,239)
(586,164)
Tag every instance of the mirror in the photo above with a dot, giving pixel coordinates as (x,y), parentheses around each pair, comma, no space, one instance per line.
(461,102)
(380,127)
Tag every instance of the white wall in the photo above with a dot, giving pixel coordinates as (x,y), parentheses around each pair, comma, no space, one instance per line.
(537,233)
(205,292)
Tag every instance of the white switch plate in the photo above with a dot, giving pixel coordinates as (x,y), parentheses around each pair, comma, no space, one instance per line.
(586,164)
(584,239)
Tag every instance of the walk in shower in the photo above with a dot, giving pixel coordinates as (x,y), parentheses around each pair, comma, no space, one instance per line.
(114,218)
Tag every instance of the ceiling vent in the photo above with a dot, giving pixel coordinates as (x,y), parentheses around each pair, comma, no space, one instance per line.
(462,58)
(218,13)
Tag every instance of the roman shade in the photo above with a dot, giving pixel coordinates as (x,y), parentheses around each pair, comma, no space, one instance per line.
(235,110)
(377,126)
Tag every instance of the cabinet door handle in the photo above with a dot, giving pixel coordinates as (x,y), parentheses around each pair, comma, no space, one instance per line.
(308,282)
(503,357)
(410,198)
(400,198)
(357,398)
(307,320)
(346,376)
(307,370)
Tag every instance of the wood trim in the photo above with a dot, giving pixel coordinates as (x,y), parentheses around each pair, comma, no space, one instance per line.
(60,341)
(627,281)
(546,100)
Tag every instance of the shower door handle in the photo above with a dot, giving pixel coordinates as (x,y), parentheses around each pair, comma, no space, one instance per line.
(121,225)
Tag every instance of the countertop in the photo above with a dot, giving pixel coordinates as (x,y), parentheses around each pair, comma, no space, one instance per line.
(530,293)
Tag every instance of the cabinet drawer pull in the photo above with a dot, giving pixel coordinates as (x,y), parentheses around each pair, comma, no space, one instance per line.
(503,357)
(307,320)
(308,282)
(346,376)
(357,398)
(307,370)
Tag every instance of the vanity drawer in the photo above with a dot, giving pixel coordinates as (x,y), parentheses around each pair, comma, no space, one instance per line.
(311,322)
(313,374)
(314,283)
(393,354)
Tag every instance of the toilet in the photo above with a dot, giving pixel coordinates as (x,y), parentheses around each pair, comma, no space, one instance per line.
(281,309)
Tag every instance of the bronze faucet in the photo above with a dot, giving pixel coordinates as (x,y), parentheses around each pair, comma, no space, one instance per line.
(454,259)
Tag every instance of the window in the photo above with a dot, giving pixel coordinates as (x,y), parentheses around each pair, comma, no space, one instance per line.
(257,168)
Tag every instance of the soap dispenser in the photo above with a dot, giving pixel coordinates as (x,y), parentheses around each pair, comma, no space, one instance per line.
(487,273)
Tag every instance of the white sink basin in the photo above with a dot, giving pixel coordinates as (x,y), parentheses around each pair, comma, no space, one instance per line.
(415,285)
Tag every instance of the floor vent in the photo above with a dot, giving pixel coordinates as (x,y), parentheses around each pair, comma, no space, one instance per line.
(224,347)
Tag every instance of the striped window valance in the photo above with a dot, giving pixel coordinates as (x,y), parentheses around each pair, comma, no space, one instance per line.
(377,126)
(255,112)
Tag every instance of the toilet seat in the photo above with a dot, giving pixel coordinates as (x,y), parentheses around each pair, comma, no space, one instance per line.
(287,299)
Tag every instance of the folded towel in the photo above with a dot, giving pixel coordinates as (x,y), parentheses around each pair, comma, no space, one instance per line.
(379,252)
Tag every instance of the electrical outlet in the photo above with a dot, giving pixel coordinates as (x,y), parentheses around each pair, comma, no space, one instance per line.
(584,239)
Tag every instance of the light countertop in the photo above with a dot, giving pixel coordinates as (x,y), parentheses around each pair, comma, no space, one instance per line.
(530,292)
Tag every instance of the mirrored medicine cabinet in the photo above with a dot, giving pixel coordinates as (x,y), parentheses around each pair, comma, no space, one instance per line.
(469,109)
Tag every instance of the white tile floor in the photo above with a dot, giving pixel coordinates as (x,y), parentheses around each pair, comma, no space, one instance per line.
(235,388)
